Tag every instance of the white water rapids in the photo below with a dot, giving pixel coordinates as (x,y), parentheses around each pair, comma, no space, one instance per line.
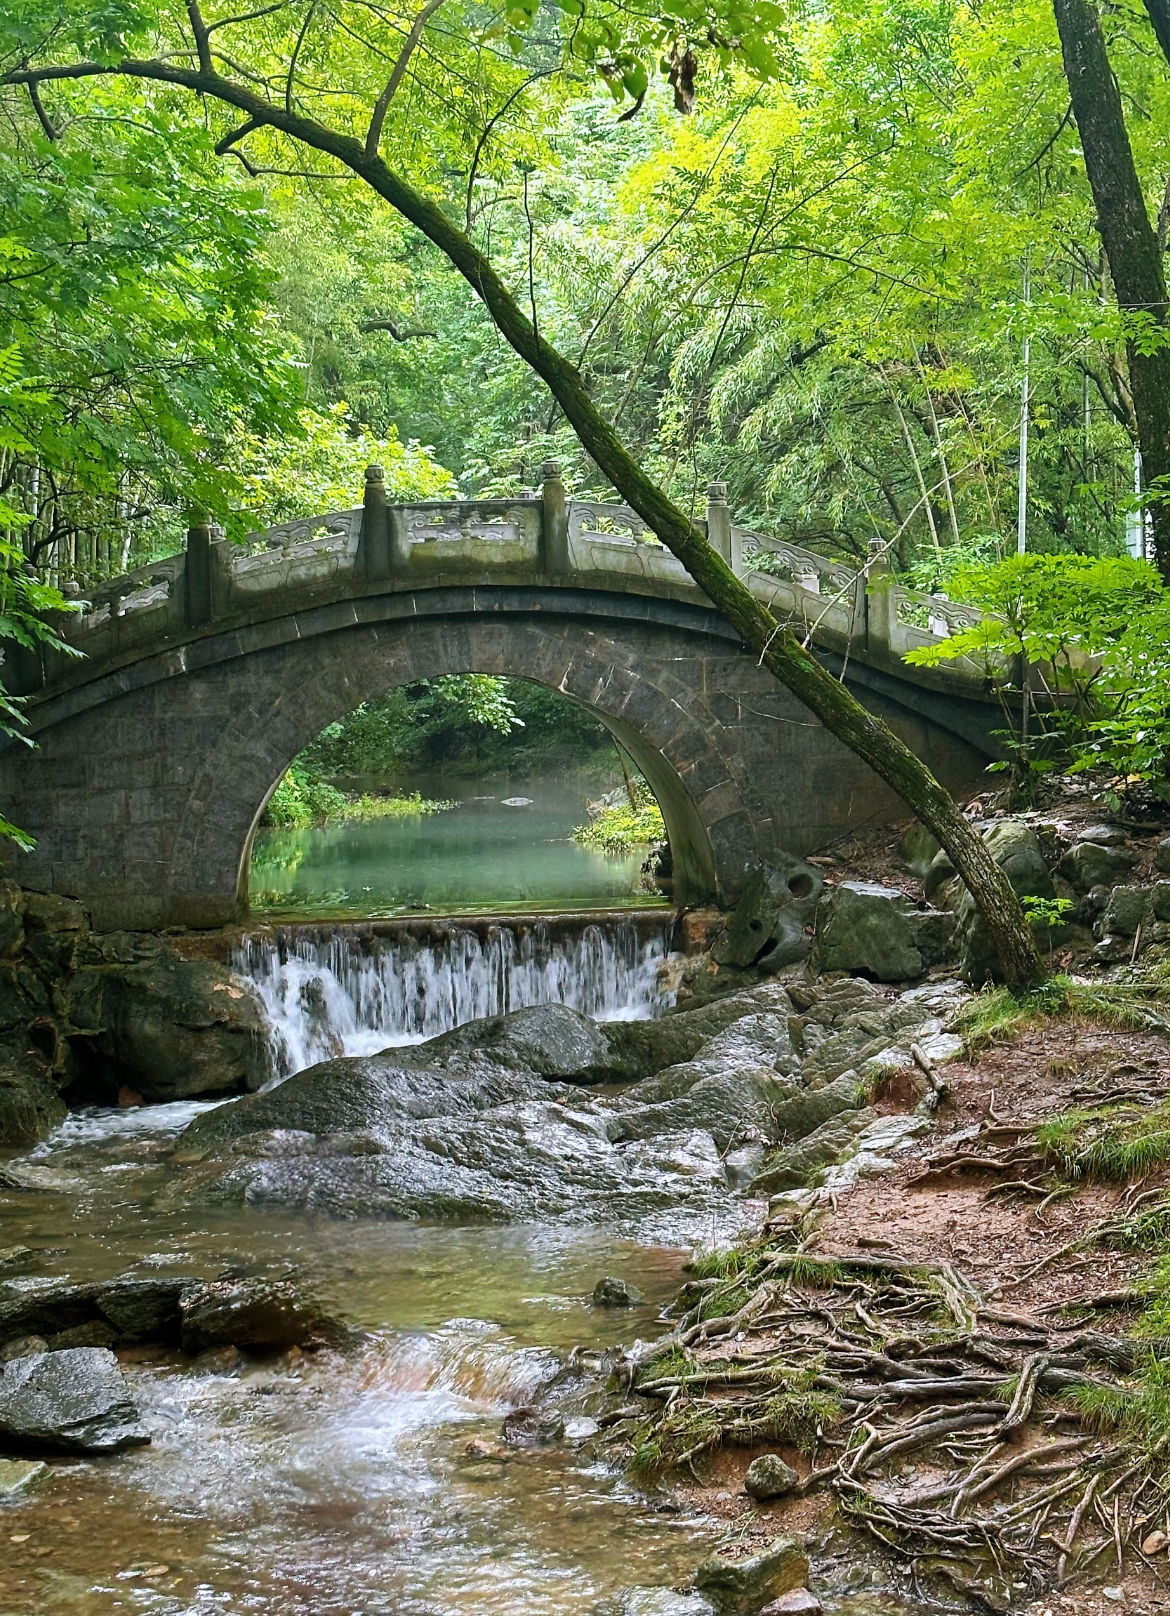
(348,992)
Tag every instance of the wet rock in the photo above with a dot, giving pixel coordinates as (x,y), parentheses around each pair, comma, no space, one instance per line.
(876,930)
(30,1104)
(645,1047)
(662,1602)
(549,1039)
(480,1448)
(1088,864)
(127,1309)
(769,1477)
(797,1603)
(530,1427)
(94,1334)
(741,1587)
(611,1291)
(798,1164)
(255,1315)
(1127,909)
(176,1028)
(770,916)
(20,1476)
(720,1103)
(68,1402)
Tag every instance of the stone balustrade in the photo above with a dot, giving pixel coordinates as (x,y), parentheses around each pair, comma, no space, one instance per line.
(545,538)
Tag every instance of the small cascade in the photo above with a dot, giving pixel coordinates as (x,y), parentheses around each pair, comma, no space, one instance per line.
(358,989)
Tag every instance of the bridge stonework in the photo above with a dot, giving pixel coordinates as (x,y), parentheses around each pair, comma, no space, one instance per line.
(157,753)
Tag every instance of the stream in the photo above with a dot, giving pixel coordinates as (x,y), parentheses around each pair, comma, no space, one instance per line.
(340,1484)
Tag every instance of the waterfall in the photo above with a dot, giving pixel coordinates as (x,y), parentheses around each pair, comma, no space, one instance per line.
(356,990)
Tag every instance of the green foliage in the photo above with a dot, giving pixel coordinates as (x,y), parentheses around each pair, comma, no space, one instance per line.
(619,826)
(301,800)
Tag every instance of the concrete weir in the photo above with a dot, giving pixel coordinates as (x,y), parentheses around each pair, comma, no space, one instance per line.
(204,675)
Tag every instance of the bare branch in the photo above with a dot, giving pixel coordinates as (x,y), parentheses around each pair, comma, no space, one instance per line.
(199,32)
(43,118)
(246,16)
(224,147)
(382,105)
(490,125)
(292,66)
(396,331)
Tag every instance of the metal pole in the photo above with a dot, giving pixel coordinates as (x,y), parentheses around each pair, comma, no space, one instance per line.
(1022,507)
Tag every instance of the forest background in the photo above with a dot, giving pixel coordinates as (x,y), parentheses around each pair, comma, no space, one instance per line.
(830,286)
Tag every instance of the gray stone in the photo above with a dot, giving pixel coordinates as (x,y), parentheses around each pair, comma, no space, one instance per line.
(20,1476)
(769,1476)
(1103,835)
(770,917)
(1162,856)
(256,1315)
(550,1039)
(878,930)
(131,1308)
(1088,865)
(1160,900)
(610,1291)
(740,1586)
(30,1103)
(68,1402)
(918,849)
(1128,908)
(806,1111)
(798,1164)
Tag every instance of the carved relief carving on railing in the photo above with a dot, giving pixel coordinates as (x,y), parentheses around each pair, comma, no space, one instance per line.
(144,589)
(938,615)
(801,567)
(618,524)
(336,525)
(495,521)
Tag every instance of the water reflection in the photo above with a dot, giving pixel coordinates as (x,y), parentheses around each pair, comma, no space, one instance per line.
(494,852)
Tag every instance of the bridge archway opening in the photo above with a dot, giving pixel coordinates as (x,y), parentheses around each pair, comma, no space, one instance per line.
(470,739)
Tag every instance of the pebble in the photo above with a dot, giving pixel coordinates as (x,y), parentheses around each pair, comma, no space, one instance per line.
(1155,1543)
(1116,1594)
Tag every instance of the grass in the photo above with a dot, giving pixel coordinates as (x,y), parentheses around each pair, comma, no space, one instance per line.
(1111,1146)
(997,1014)
(407,807)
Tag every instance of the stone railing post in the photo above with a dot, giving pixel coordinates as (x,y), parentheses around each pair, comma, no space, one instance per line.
(198,591)
(880,605)
(554,522)
(719,534)
(374,555)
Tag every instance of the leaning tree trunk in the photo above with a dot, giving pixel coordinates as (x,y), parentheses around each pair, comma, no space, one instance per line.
(778,647)
(1131,246)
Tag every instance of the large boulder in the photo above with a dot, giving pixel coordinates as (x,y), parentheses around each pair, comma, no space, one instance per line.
(68,1402)
(549,1039)
(175,1028)
(1089,864)
(131,1308)
(879,932)
(767,924)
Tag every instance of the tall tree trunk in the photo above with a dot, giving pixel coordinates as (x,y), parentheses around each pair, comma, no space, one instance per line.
(1131,246)
(777,647)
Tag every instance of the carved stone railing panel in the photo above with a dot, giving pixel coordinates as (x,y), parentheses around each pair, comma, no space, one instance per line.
(813,573)
(617,524)
(308,529)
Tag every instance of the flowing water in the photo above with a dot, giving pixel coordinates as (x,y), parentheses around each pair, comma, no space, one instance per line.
(355,990)
(503,850)
(340,1484)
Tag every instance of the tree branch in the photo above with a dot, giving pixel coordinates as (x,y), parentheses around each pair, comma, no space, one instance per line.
(395,331)
(199,32)
(382,105)
(43,118)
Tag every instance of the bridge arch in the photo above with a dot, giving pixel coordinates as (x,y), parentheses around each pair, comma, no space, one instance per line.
(152,771)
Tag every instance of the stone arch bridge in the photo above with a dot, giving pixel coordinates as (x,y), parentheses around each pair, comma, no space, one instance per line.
(205,674)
